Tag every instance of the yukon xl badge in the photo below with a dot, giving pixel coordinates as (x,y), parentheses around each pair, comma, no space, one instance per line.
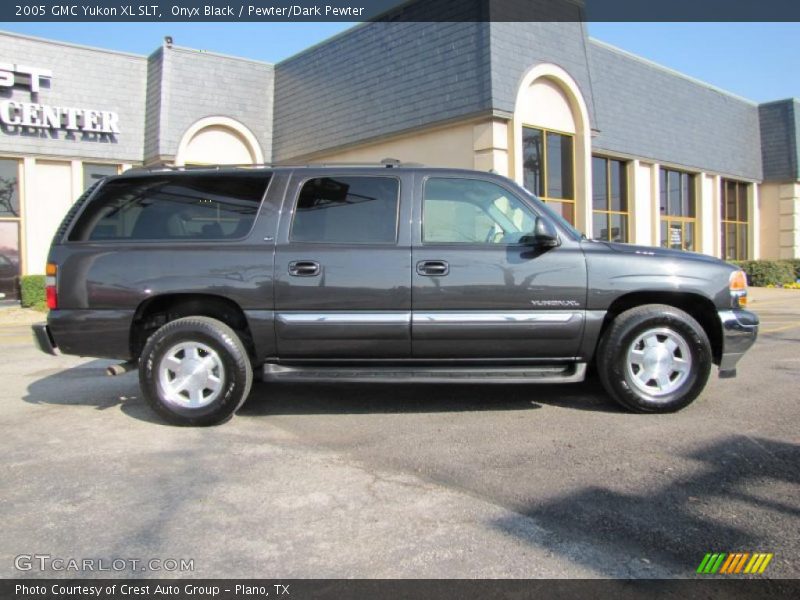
(559,303)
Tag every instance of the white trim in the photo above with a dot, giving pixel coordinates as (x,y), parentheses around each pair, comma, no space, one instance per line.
(583,136)
(218,121)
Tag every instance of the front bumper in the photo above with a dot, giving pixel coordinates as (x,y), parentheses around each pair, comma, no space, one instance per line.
(739,332)
(43,338)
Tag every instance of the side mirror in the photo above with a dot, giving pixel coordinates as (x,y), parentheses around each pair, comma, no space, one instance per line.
(544,235)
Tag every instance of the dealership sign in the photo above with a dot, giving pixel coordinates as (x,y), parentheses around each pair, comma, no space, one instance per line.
(43,116)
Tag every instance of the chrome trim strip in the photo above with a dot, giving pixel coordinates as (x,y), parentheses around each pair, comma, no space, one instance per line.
(495,317)
(345,317)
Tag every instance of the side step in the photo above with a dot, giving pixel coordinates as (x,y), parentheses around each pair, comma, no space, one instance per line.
(571,373)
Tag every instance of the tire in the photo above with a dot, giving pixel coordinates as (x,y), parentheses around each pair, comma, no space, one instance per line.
(659,341)
(195,371)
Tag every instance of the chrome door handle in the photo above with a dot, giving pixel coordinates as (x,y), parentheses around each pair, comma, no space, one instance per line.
(432,268)
(303,268)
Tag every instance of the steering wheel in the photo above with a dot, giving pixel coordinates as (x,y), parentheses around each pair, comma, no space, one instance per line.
(492,236)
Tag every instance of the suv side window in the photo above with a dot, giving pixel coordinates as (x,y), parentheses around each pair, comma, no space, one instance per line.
(472,211)
(347,210)
(207,206)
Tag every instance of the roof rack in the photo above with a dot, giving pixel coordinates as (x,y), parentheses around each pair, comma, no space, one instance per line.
(388,163)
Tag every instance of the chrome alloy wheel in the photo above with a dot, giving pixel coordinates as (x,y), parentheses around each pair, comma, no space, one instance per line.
(190,375)
(659,362)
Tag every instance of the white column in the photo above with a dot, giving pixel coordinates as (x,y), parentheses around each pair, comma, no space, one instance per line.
(27,213)
(789,220)
(490,145)
(640,202)
(655,195)
(77,179)
(705,214)
(754,226)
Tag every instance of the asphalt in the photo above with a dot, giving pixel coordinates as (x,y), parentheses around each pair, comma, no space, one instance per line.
(403,480)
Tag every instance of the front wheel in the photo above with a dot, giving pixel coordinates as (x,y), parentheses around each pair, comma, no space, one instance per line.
(654,358)
(195,371)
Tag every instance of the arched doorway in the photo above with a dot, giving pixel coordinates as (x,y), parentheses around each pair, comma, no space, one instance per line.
(552,142)
(218,140)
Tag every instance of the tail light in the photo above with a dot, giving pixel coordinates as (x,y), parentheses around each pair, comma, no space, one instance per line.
(738,288)
(51,291)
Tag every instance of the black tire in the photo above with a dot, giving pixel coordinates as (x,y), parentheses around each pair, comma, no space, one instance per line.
(625,330)
(232,371)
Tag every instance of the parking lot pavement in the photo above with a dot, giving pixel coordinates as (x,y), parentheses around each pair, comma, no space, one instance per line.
(405,480)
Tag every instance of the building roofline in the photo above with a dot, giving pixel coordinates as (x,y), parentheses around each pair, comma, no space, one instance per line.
(670,71)
(781,101)
(34,38)
(189,50)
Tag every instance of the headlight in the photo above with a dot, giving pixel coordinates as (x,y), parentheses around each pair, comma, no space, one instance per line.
(737,284)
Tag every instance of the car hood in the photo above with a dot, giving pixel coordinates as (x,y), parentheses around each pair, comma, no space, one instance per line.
(658,252)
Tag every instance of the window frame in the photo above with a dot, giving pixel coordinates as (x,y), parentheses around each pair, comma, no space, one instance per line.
(535,213)
(302,182)
(89,163)
(545,171)
(20,208)
(737,221)
(160,241)
(623,186)
(683,220)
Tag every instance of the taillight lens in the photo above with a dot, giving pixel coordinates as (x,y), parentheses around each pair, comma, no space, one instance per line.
(50,290)
(738,288)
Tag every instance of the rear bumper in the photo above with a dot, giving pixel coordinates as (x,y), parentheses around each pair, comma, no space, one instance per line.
(739,332)
(43,339)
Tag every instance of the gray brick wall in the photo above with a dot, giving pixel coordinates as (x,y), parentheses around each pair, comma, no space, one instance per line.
(155,68)
(516,47)
(197,84)
(82,78)
(652,113)
(780,131)
(377,79)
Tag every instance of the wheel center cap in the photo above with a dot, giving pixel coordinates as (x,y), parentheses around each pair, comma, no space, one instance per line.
(191,367)
(657,359)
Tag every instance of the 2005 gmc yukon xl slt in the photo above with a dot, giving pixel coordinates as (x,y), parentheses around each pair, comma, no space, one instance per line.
(202,276)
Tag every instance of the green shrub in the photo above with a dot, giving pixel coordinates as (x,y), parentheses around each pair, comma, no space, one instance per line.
(761,273)
(796,264)
(32,293)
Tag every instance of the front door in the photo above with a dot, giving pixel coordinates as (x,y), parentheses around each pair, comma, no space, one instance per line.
(342,267)
(477,292)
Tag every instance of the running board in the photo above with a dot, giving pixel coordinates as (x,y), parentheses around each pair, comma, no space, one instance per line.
(572,373)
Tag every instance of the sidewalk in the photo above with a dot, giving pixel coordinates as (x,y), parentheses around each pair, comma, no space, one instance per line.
(760,294)
(14,315)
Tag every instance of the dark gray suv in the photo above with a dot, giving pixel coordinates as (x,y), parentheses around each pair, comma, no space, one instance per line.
(199,277)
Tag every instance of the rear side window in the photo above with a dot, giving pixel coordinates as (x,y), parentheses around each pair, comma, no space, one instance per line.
(347,210)
(207,206)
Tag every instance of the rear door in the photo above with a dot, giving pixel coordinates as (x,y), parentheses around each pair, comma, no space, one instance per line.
(478,293)
(343,265)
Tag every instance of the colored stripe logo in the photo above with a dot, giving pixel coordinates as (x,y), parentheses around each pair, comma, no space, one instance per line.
(735,563)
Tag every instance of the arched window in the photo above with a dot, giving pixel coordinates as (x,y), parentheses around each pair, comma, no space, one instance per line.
(218,140)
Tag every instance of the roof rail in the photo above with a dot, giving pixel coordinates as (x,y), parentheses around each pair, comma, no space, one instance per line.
(388,163)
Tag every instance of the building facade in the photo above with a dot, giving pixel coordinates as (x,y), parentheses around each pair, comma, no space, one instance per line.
(625,149)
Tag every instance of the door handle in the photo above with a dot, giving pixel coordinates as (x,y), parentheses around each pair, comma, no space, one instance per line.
(304,268)
(433,267)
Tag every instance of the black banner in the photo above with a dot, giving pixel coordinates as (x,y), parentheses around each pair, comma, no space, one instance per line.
(416,589)
(397,10)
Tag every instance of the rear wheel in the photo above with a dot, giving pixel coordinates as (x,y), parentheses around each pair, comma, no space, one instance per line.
(654,358)
(195,371)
